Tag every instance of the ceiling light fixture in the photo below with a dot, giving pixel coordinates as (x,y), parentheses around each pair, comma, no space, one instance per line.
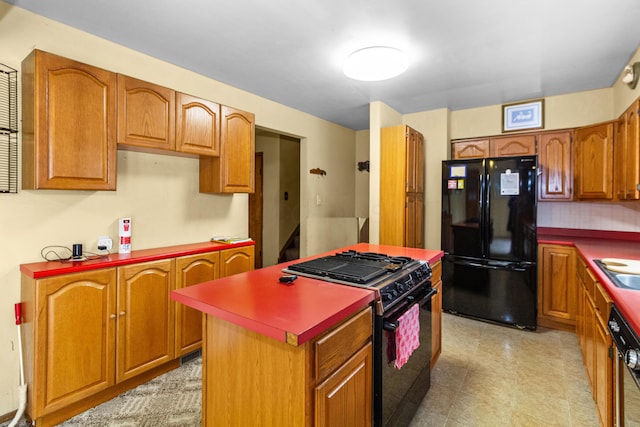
(375,63)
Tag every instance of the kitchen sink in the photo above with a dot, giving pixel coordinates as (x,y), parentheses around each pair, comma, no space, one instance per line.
(621,280)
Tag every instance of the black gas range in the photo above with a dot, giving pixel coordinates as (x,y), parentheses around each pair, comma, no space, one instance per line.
(400,283)
(393,277)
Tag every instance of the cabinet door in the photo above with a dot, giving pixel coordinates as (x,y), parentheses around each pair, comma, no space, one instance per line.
(237,260)
(513,145)
(191,270)
(631,159)
(233,171)
(75,326)
(146,114)
(476,149)
(414,221)
(344,399)
(197,126)
(593,150)
(145,317)
(414,161)
(69,123)
(554,162)
(557,287)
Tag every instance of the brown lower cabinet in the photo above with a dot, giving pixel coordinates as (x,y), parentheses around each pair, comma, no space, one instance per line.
(324,382)
(557,303)
(88,337)
(595,341)
(569,299)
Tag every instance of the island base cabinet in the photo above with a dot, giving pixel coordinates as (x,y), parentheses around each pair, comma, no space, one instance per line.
(338,399)
(252,379)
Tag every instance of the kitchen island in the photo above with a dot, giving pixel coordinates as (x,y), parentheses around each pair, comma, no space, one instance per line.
(279,354)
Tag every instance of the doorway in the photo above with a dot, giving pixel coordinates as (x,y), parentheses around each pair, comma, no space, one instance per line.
(256,204)
(274,208)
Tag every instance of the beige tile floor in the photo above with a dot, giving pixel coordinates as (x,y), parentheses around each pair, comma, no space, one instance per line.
(490,375)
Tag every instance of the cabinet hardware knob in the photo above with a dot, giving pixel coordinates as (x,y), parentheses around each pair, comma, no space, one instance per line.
(113,316)
(122,313)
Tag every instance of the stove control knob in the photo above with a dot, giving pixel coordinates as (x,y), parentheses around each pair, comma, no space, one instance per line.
(632,359)
(400,287)
(613,325)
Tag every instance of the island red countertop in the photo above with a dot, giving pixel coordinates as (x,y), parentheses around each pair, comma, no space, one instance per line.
(38,270)
(594,245)
(294,313)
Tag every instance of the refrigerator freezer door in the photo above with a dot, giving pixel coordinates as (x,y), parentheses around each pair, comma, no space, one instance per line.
(490,290)
(462,211)
(511,208)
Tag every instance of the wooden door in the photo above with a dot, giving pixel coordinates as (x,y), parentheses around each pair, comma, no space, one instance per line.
(593,172)
(256,202)
(197,125)
(236,260)
(146,114)
(145,317)
(557,287)
(191,270)
(69,124)
(75,325)
(554,163)
(343,398)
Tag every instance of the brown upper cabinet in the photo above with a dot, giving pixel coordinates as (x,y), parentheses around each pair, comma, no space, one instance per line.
(197,126)
(146,114)
(402,187)
(473,149)
(499,146)
(153,117)
(513,145)
(627,154)
(593,154)
(68,124)
(232,171)
(555,166)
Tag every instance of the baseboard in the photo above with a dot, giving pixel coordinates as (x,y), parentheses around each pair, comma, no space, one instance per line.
(7,417)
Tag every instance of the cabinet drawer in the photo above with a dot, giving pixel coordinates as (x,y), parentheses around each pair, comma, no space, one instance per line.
(436,272)
(339,345)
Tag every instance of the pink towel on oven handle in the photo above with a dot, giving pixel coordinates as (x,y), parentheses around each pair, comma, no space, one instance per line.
(407,335)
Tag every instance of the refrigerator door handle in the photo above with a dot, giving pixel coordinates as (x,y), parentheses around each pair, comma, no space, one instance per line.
(492,266)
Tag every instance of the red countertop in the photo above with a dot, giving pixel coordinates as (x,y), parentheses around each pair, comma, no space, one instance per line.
(38,270)
(256,300)
(601,244)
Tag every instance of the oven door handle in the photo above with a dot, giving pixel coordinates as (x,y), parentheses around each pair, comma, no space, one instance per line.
(392,325)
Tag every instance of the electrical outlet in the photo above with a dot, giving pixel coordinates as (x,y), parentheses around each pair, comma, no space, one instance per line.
(105,242)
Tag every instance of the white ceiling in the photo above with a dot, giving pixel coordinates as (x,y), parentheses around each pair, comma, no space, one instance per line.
(464,53)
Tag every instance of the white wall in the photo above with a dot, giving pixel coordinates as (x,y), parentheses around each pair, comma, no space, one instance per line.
(159,192)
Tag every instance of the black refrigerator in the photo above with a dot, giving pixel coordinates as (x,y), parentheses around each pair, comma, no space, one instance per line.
(489,239)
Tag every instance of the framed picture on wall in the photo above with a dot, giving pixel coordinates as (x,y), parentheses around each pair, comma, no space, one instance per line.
(523,116)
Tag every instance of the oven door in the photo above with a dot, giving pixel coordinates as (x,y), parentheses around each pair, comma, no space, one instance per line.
(627,396)
(399,392)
